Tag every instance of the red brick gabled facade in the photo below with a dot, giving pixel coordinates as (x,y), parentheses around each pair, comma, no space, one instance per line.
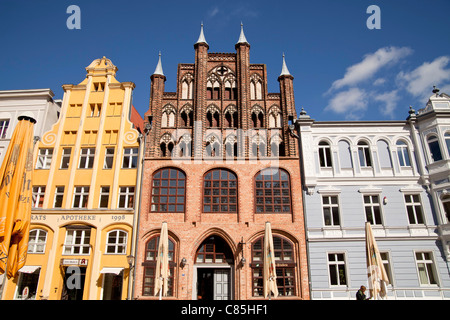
(208,148)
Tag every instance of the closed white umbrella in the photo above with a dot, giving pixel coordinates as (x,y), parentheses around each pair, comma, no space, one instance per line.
(378,278)
(270,275)
(162,263)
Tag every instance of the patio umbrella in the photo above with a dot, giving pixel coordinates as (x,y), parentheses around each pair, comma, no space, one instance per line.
(162,263)
(15,198)
(269,275)
(378,278)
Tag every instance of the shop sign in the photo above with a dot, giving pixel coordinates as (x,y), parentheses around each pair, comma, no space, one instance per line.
(74,262)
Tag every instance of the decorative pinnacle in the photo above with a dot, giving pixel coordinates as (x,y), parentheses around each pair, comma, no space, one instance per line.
(159,69)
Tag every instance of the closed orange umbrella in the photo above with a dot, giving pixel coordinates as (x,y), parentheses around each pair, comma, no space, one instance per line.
(15,198)
(269,275)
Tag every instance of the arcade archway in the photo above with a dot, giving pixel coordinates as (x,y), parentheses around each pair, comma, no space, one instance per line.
(213,270)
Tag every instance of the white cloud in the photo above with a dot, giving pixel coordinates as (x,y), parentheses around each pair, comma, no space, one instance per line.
(420,81)
(379,82)
(370,65)
(213,12)
(352,103)
(390,100)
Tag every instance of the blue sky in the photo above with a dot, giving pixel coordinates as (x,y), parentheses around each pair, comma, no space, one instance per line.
(342,70)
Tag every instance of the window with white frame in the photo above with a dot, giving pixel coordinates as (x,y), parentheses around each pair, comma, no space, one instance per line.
(330,206)
(425,268)
(109,158)
(130,157)
(126,197)
(4,124)
(447,142)
(104,197)
(77,241)
(59,195)
(87,158)
(386,264)
(403,154)
(37,241)
(372,208)
(364,154)
(324,155)
(116,242)
(38,196)
(435,149)
(65,158)
(44,159)
(80,197)
(446,206)
(414,209)
(337,269)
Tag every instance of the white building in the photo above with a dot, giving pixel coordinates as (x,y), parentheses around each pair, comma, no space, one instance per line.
(433,125)
(37,103)
(373,171)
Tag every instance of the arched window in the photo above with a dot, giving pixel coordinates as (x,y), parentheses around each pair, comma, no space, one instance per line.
(151,253)
(255,87)
(284,265)
(187,116)
(220,191)
(277,148)
(273,191)
(116,242)
(364,154)
(230,90)
(213,90)
(324,155)
(214,250)
(259,147)
(435,149)
(166,145)
(185,146)
(168,190)
(212,117)
(257,117)
(231,146)
(168,117)
(37,241)
(275,120)
(231,117)
(403,154)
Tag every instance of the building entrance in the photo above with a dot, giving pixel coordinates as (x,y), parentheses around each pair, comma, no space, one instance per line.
(213,270)
(213,284)
(73,285)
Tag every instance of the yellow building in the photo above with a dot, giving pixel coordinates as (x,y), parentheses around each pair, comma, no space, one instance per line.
(85,187)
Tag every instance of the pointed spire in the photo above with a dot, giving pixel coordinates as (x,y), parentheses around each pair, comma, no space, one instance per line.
(159,69)
(201,38)
(242,38)
(284,69)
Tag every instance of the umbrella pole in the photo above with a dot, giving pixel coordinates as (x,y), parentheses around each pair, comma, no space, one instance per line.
(160,289)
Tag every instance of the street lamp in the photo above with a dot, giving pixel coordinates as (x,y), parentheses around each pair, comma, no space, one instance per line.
(130,260)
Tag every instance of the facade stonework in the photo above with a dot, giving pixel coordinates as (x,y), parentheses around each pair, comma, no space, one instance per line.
(212,139)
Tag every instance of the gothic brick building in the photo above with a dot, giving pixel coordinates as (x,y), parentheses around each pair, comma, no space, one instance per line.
(220,160)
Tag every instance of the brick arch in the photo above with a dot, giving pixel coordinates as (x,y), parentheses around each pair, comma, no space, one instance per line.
(214,232)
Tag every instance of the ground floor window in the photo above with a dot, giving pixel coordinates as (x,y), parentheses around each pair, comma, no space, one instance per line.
(285,265)
(151,252)
(28,283)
